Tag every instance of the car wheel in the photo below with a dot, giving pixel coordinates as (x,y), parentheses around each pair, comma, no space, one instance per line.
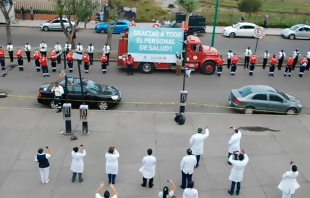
(103,105)
(68,29)
(102,31)
(3,95)
(46,29)
(146,68)
(292,36)
(208,68)
(248,110)
(232,35)
(52,104)
(195,33)
(291,111)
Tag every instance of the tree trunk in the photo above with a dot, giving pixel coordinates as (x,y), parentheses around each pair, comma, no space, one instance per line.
(8,31)
(110,33)
(187,17)
(73,43)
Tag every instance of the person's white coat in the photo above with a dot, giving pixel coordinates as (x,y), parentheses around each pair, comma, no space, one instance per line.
(111,166)
(236,173)
(234,142)
(148,168)
(77,164)
(288,184)
(196,142)
(188,164)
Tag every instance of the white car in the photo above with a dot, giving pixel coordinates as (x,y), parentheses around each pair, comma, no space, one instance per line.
(242,29)
(55,24)
(299,31)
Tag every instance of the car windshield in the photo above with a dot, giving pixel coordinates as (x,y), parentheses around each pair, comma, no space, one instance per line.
(295,27)
(92,86)
(235,25)
(244,91)
(283,95)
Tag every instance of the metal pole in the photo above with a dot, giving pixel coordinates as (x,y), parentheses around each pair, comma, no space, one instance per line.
(66,79)
(256,45)
(182,101)
(80,75)
(214,22)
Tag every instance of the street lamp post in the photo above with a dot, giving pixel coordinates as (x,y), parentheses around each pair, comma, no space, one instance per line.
(67,105)
(183,92)
(214,22)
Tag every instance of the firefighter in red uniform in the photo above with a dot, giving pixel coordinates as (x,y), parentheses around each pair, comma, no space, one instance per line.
(43,63)
(20,60)
(234,62)
(69,58)
(37,57)
(2,59)
(104,63)
(220,62)
(86,62)
(273,62)
(253,61)
(289,65)
(184,27)
(129,62)
(53,57)
(303,65)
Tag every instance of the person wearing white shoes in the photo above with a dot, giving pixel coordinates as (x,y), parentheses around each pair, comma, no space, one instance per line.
(187,167)
(77,164)
(148,169)
(234,143)
(196,143)
(44,165)
(190,191)
(289,184)
(43,48)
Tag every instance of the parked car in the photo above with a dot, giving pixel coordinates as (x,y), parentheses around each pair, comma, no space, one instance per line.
(241,29)
(299,31)
(119,28)
(265,99)
(96,95)
(55,24)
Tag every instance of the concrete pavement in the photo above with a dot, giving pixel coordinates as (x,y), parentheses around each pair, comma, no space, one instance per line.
(132,133)
(91,26)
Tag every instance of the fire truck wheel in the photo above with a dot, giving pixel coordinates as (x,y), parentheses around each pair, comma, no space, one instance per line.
(146,68)
(208,68)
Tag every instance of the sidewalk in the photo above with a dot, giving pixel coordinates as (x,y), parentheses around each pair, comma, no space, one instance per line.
(92,25)
(24,131)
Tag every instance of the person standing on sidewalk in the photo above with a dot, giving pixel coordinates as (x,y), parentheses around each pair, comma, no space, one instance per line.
(43,48)
(190,191)
(196,143)
(266,57)
(58,95)
(106,194)
(187,167)
(129,61)
(178,64)
(148,169)
(77,164)
(10,49)
(31,13)
(247,55)
(266,22)
(166,193)
(44,165)
(234,143)
(281,58)
(289,184)
(111,165)
(28,51)
(23,11)
(229,57)
(2,58)
(236,173)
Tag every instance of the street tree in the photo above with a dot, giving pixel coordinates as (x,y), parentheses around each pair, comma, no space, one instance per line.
(189,6)
(6,7)
(250,6)
(76,11)
(114,14)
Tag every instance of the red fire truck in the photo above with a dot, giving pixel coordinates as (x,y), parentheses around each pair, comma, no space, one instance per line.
(200,57)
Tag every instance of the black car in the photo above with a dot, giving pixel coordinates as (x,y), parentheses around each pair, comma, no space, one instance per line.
(96,95)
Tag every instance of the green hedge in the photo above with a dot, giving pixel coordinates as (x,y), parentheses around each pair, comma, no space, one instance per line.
(18,11)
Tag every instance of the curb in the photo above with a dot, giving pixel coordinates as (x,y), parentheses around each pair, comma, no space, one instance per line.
(88,29)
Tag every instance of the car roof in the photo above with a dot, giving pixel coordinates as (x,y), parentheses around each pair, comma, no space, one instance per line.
(261,88)
(247,23)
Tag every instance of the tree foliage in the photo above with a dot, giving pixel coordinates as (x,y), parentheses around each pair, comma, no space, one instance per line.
(115,12)
(76,11)
(6,13)
(250,6)
(189,6)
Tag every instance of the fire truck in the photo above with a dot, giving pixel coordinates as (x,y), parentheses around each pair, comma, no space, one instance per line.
(199,57)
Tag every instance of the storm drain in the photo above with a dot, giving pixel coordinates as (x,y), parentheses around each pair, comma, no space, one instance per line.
(257,129)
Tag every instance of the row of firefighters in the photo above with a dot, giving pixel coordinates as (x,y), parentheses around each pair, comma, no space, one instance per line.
(251,60)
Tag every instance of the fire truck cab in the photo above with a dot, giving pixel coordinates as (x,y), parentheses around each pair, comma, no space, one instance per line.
(200,57)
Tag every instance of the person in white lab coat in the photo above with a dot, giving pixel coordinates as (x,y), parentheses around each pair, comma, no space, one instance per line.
(234,143)
(166,193)
(111,166)
(236,173)
(288,184)
(106,194)
(190,191)
(196,143)
(77,164)
(187,167)
(148,168)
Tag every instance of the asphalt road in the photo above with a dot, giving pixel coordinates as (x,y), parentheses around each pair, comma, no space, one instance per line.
(161,86)
(271,43)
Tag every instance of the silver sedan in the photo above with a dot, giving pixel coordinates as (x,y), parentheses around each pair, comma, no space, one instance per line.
(299,31)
